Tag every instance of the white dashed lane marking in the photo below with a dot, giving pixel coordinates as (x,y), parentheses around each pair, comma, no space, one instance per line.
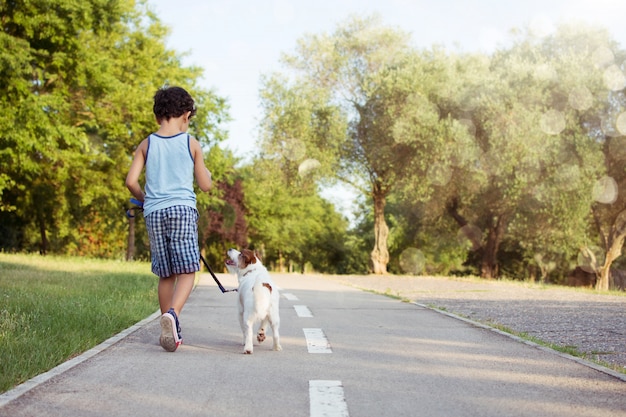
(302,311)
(327,399)
(316,341)
(290,296)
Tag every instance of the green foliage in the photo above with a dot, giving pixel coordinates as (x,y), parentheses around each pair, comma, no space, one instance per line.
(504,148)
(289,223)
(485,164)
(77,81)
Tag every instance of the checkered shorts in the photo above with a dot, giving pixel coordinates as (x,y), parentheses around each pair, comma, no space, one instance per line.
(173,233)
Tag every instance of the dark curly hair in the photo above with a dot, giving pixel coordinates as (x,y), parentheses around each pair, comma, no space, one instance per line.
(172,102)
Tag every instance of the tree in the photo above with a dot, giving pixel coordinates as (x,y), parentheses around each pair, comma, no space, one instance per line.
(222,222)
(609,193)
(288,222)
(74,108)
(361,78)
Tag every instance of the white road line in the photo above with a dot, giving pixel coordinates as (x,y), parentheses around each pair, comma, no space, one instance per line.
(302,311)
(327,399)
(290,296)
(316,341)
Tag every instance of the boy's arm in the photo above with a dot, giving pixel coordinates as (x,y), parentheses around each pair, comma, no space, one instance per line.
(203,175)
(132,179)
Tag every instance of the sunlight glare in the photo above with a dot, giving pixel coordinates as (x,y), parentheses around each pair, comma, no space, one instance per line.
(614,78)
(440,174)
(412,261)
(580,98)
(308,166)
(620,123)
(293,149)
(470,235)
(552,122)
(605,190)
(602,57)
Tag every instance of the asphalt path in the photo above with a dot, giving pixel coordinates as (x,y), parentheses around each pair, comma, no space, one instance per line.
(365,355)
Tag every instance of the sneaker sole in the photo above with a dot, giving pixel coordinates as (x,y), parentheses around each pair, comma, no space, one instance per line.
(169,338)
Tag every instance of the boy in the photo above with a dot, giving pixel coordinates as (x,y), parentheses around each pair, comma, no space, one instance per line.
(171,158)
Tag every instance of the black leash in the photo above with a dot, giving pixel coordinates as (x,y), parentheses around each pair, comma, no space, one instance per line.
(139,205)
(217,281)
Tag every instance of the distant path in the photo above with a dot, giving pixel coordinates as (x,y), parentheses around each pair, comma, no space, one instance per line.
(593,324)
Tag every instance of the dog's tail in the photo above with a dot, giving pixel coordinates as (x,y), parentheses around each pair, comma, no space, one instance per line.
(262,296)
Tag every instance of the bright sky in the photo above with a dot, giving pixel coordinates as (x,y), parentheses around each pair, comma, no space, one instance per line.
(236,41)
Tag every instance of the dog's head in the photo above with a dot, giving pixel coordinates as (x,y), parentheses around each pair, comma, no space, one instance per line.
(236,261)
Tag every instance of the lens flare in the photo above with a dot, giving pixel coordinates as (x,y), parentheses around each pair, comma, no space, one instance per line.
(440,174)
(620,123)
(552,122)
(614,78)
(568,176)
(471,236)
(469,125)
(580,98)
(590,258)
(608,126)
(293,149)
(605,190)
(308,166)
(412,261)
(602,57)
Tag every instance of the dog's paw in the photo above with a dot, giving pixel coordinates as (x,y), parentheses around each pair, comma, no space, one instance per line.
(278,347)
(261,336)
(247,350)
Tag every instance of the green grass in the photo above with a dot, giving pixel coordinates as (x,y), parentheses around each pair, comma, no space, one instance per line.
(55,308)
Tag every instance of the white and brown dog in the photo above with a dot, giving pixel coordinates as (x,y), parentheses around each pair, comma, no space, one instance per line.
(258,297)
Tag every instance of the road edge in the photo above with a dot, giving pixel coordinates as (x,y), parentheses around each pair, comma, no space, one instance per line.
(35,381)
(576,359)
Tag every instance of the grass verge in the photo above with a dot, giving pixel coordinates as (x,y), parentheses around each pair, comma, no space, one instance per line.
(55,308)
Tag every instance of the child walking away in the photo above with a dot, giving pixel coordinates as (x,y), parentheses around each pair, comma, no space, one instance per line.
(171,159)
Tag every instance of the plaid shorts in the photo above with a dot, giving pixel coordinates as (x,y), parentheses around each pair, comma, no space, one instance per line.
(173,233)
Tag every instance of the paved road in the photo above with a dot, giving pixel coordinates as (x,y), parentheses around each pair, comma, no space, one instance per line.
(366,355)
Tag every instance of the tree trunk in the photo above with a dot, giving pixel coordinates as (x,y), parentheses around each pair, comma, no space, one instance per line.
(281,262)
(380,254)
(489,264)
(615,242)
(475,238)
(43,248)
(130,250)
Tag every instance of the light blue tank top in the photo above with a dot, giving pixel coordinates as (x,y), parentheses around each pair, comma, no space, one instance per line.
(169,173)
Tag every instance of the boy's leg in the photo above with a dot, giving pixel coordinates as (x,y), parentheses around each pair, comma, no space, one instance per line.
(166,292)
(173,293)
(184,286)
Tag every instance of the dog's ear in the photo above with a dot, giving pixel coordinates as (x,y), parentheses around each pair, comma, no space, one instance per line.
(249,257)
